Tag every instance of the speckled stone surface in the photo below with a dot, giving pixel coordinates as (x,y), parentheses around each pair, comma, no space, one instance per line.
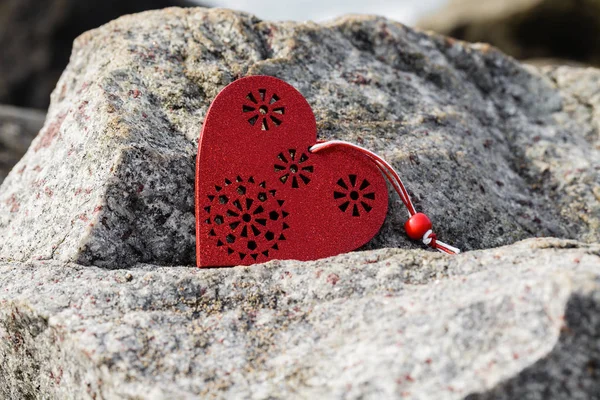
(494,152)
(18,127)
(514,322)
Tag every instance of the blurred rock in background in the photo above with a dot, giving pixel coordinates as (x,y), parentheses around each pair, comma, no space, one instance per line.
(36,37)
(405,11)
(553,31)
(18,127)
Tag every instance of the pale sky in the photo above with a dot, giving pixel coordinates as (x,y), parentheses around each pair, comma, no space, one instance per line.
(406,11)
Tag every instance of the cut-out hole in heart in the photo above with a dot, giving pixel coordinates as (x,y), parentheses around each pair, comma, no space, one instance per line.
(296,170)
(261,109)
(352,198)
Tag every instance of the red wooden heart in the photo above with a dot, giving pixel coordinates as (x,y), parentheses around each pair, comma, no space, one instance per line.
(260,193)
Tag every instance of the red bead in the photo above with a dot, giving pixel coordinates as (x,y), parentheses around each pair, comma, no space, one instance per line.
(417,226)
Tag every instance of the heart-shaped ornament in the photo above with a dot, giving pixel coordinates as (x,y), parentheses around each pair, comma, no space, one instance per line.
(261,194)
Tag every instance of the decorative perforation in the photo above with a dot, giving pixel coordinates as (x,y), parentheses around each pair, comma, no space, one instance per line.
(262,110)
(246,218)
(293,168)
(352,197)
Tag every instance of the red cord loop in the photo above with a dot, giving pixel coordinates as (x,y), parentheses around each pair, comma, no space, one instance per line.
(418,226)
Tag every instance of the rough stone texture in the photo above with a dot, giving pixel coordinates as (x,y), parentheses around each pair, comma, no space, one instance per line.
(494,152)
(18,127)
(514,322)
(36,38)
(548,31)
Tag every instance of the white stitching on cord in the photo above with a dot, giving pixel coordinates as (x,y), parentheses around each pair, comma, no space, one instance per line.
(426,237)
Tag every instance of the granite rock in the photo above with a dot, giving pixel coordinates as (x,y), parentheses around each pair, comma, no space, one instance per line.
(540,31)
(519,321)
(493,151)
(36,37)
(18,127)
